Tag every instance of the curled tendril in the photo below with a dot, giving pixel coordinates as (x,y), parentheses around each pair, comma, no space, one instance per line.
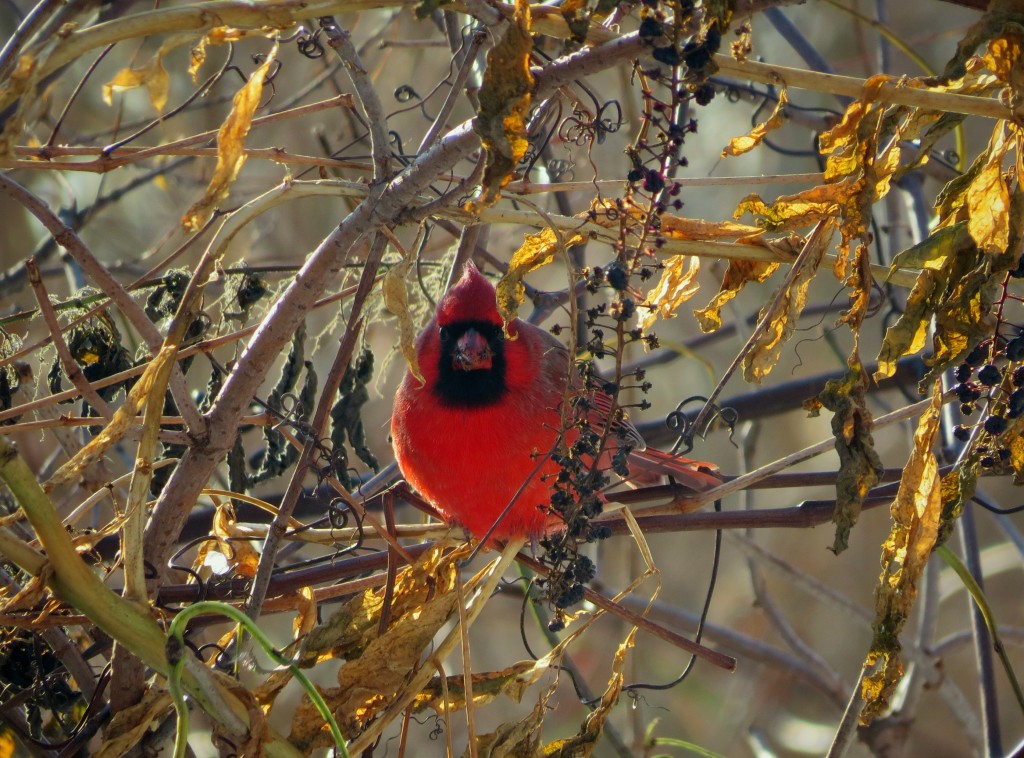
(309,44)
(404,93)
(679,422)
(561,170)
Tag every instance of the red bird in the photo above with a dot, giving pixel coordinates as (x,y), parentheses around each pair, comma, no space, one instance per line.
(471,437)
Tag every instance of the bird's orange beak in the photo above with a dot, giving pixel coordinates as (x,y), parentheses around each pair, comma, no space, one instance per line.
(472,352)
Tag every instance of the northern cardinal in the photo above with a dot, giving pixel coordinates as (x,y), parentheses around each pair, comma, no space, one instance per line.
(473,436)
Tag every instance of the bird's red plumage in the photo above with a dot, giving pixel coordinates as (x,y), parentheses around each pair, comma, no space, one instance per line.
(470,461)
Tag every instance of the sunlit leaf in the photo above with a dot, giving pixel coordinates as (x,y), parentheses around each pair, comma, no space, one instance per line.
(782,321)
(860,468)
(518,739)
(152,75)
(218,36)
(243,557)
(505,97)
(537,250)
(737,276)
(747,142)
(486,687)
(988,200)
(677,285)
(230,146)
(582,744)
(915,527)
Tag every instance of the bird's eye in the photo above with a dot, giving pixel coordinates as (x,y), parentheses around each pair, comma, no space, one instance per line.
(445,334)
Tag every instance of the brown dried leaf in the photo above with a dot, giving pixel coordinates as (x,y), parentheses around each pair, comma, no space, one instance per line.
(372,682)
(511,681)
(790,212)
(306,617)
(152,75)
(396,300)
(678,284)
(230,146)
(737,276)
(123,418)
(767,348)
(130,725)
(505,97)
(582,744)
(217,36)
(859,465)
(747,142)
(537,250)
(519,739)
(915,528)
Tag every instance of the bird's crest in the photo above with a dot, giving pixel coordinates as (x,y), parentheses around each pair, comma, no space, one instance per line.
(471,299)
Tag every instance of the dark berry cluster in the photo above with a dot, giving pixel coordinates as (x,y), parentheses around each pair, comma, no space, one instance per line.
(988,380)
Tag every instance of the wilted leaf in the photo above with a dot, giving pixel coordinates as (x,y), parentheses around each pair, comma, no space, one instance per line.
(910,331)
(370,683)
(505,97)
(737,276)
(782,321)
(152,75)
(800,210)
(217,36)
(21,82)
(678,284)
(486,687)
(240,553)
(130,725)
(747,142)
(230,146)
(396,300)
(988,199)
(306,617)
(537,250)
(351,628)
(859,465)
(518,739)
(123,418)
(581,745)
(915,526)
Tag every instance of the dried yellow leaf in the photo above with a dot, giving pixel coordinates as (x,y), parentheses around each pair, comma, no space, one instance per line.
(782,321)
(677,285)
(747,142)
(152,75)
(537,250)
(737,276)
(130,725)
(505,98)
(230,146)
(988,199)
(915,514)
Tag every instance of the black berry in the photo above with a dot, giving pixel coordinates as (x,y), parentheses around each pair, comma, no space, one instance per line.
(995,425)
(961,433)
(989,375)
(1015,349)
(963,372)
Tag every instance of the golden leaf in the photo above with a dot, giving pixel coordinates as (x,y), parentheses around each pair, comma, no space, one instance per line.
(505,97)
(800,210)
(537,250)
(747,142)
(737,276)
(487,686)
(217,36)
(306,617)
(370,683)
(123,418)
(915,527)
(678,284)
(988,199)
(152,75)
(582,744)
(7,743)
(767,348)
(230,146)
(859,465)
(239,551)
